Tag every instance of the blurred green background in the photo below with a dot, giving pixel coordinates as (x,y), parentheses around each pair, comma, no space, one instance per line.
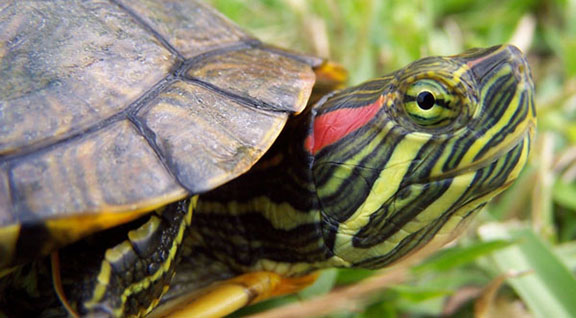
(519,258)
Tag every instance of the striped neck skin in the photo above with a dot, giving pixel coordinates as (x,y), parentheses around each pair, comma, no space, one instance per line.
(376,172)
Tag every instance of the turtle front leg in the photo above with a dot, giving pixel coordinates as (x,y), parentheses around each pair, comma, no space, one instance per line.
(225,297)
(128,279)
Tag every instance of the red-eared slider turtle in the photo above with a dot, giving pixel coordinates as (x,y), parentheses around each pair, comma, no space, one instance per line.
(115,114)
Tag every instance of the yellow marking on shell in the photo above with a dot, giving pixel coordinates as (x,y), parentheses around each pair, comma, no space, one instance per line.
(160,210)
(8,240)
(304,94)
(3,50)
(228,296)
(69,229)
(87,162)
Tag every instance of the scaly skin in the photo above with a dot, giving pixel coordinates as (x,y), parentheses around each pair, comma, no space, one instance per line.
(367,177)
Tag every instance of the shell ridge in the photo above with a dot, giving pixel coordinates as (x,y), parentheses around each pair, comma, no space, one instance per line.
(150,136)
(149,29)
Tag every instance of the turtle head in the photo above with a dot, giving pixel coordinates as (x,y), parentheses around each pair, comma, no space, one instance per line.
(404,161)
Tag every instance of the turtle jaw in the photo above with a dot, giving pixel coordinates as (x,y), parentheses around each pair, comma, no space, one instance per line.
(500,154)
(513,122)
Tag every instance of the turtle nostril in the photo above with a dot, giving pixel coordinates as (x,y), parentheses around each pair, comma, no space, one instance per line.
(520,68)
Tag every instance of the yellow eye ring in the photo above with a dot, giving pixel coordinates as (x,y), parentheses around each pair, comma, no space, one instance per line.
(429,103)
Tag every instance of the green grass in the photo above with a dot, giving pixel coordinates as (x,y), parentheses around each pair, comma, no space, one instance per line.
(526,239)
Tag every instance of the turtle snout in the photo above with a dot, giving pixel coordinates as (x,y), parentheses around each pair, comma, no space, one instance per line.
(519,65)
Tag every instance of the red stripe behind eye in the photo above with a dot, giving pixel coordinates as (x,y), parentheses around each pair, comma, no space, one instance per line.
(333,126)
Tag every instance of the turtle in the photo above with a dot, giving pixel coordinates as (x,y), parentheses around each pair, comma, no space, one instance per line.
(156,159)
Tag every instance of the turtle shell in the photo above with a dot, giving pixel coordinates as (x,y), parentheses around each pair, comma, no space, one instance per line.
(109,109)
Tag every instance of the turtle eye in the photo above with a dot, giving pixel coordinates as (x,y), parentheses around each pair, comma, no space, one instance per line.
(429,103)
(425,100)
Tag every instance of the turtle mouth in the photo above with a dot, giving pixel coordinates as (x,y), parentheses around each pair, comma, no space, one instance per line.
(486,161)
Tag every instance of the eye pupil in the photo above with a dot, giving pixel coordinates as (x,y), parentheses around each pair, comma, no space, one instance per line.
(425,100)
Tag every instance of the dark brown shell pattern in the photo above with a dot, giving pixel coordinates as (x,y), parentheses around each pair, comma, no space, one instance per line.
(109,109)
